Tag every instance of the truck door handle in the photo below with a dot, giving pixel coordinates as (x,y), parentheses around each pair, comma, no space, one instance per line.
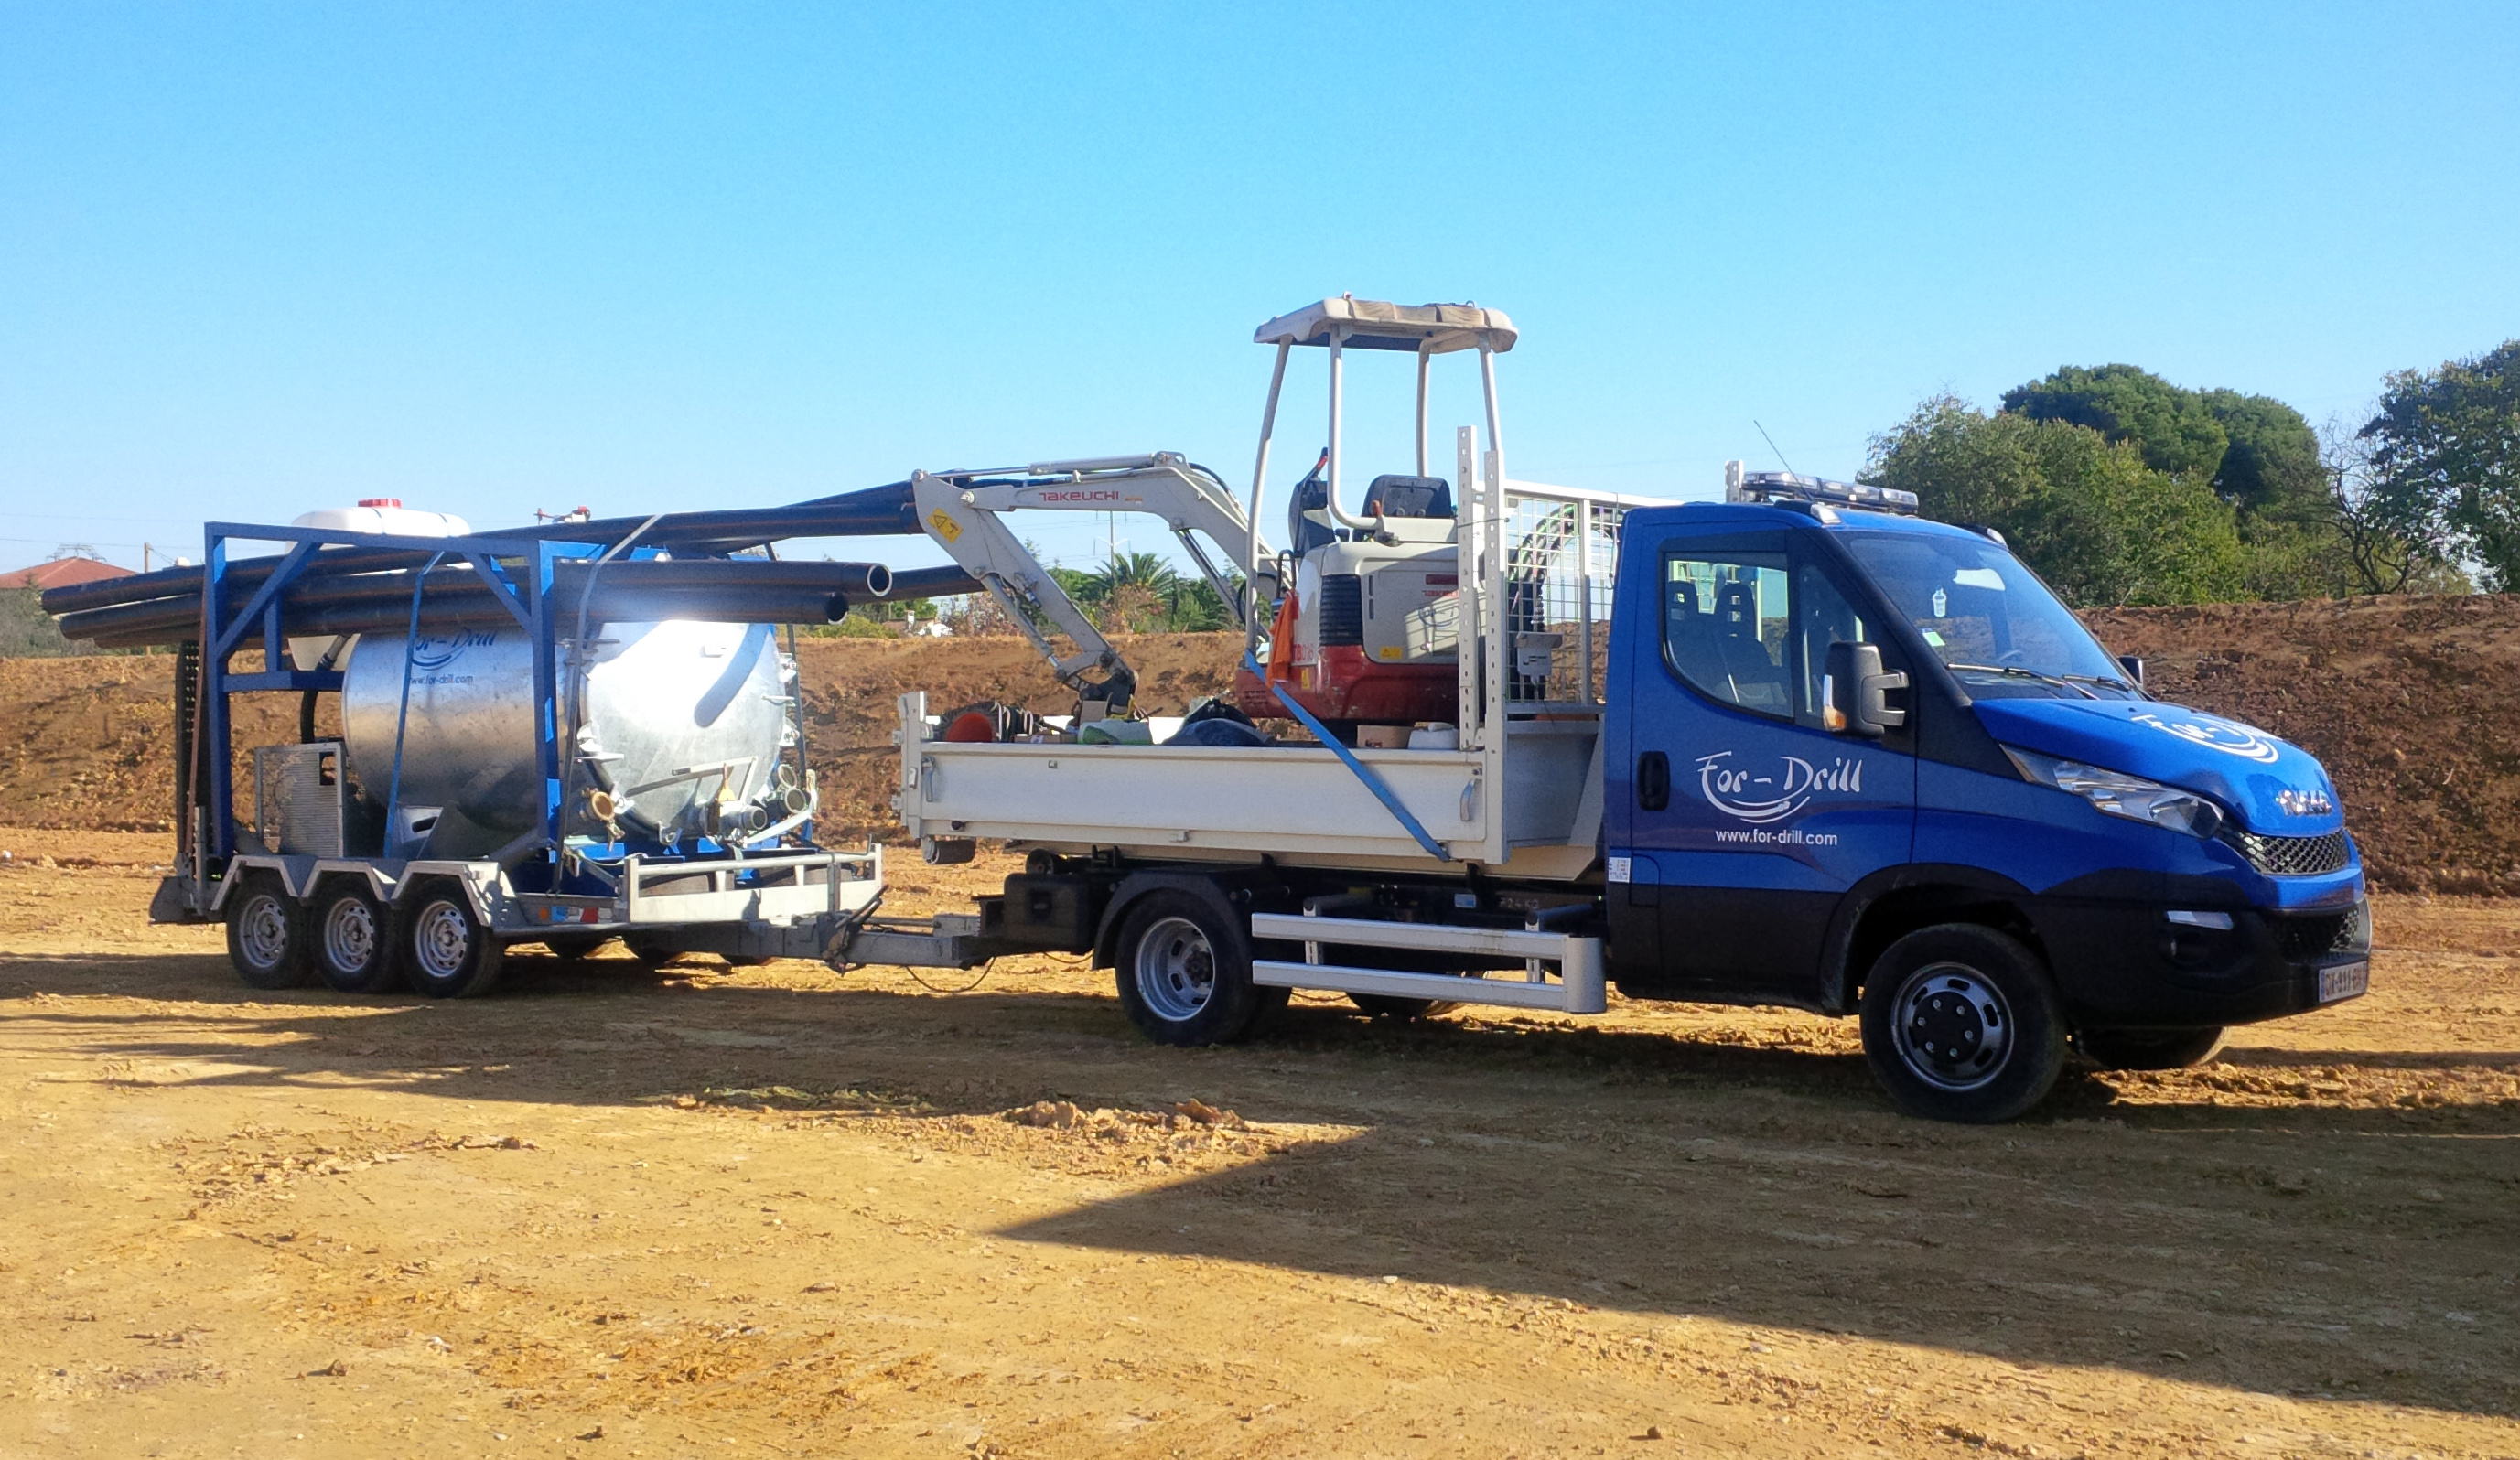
(1653,780)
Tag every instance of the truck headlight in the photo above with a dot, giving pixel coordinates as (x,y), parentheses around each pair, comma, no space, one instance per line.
(2122,795)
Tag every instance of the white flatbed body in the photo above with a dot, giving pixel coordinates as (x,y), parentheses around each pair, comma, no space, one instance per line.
(1532,810)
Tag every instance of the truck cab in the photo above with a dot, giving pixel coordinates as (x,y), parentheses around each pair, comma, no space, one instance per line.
(1860,762)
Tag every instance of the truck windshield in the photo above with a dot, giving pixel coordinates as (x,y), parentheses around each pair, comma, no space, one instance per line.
(1994,624)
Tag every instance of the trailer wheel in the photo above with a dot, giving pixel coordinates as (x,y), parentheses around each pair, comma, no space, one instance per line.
(1183,970)
(267,934)
(1400,1007)
(448,952)
(354,939)
(2148,1049)
(1960,1022)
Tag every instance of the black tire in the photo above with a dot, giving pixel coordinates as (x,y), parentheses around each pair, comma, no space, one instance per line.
(2148,1049)
(352,935)
(267,934)
(447,949)
(1400,1007)
(652,948)
(1961,1023)
(1183,964)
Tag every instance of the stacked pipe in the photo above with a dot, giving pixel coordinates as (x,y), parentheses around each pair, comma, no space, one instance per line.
(348,589)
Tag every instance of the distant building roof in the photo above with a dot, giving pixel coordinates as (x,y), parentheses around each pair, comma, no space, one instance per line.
(61,572)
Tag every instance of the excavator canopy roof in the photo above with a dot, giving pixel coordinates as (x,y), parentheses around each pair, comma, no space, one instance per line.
(1372,325)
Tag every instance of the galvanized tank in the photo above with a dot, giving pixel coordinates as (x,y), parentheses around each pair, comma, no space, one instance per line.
(678,716)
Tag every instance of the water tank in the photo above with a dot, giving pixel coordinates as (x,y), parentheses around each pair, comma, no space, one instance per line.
(679,720)
(384,514)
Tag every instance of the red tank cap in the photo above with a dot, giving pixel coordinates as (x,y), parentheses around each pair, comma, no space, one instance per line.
(380,501)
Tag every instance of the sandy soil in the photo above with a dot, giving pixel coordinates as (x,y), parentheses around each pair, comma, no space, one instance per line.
(697,1212)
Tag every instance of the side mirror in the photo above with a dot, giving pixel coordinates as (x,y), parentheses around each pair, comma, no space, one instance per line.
(2134,666)
(1859,690)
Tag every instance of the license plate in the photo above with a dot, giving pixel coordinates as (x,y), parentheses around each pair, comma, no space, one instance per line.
(2345,981)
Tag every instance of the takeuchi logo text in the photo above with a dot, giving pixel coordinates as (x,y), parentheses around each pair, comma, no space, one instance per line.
(2214,733)
(1739,791)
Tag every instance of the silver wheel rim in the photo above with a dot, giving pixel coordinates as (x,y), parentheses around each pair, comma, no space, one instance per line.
(262,931)
(441,939)
(1953,1027)
(350,935)
(1176,969)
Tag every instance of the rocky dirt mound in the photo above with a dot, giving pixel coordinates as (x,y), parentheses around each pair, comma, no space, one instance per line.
(2407,700)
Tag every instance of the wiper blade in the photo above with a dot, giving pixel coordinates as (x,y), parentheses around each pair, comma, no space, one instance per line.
(2112,680)
(2061,682)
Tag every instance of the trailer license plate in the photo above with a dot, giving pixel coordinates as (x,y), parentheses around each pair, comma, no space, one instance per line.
(2345,981)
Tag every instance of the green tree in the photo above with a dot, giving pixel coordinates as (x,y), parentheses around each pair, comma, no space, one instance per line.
(2087,512)
(2444,452)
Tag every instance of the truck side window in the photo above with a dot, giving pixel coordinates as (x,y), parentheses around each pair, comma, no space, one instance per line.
(1822,617)
(1725,628)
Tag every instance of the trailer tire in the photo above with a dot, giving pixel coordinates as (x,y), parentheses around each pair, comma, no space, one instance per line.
(2148,1049)
(1400,1007)
(1184,971)
(447,950)
(267,934)
(354,939)
(1962,1023)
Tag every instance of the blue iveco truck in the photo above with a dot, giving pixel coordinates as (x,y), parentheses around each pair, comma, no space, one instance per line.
(1798,747)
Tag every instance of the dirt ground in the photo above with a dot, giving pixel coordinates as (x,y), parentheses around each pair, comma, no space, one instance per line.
(696,1212)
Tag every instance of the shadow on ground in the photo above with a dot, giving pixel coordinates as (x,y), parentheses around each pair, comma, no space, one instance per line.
(2350,1249)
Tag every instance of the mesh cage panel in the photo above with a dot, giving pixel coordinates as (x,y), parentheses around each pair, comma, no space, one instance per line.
(1561,561)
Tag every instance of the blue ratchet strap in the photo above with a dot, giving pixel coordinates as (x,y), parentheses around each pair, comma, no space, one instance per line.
(1372,782)
(402,716)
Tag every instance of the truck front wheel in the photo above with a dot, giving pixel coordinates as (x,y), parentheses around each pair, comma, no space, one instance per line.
(1183,970)
(1960,1022)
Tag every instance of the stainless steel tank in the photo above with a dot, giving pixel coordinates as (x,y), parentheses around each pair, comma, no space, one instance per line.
(679,720)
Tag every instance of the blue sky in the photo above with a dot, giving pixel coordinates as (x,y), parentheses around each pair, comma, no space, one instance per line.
(489,258)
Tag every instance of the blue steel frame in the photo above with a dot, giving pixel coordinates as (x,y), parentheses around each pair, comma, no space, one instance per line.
(223,635)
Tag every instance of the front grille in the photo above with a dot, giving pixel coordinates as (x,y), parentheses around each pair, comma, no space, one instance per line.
(2291,856)
(2300,938)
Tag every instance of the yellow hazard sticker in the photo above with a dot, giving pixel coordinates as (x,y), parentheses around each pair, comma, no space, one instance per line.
(1390,651)
(946,527)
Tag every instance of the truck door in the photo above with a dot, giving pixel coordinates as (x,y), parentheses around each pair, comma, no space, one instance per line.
(1747,817)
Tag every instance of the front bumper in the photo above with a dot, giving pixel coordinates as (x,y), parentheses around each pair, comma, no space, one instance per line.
(2127,965)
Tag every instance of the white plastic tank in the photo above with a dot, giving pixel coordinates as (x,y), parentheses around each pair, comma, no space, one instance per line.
(372,515)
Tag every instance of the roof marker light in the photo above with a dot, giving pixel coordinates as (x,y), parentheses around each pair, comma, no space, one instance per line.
(1786,486)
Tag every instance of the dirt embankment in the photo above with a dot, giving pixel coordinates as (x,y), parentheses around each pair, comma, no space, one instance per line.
(2405,699)
(2408,701)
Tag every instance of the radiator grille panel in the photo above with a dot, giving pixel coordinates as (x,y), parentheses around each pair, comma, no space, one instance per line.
(2292,856)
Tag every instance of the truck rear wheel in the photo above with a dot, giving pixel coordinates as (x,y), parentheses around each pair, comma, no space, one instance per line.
(267,934)
(448,951)
(354,939)
(1183,970)
(1960,1022)
(2148,1049)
